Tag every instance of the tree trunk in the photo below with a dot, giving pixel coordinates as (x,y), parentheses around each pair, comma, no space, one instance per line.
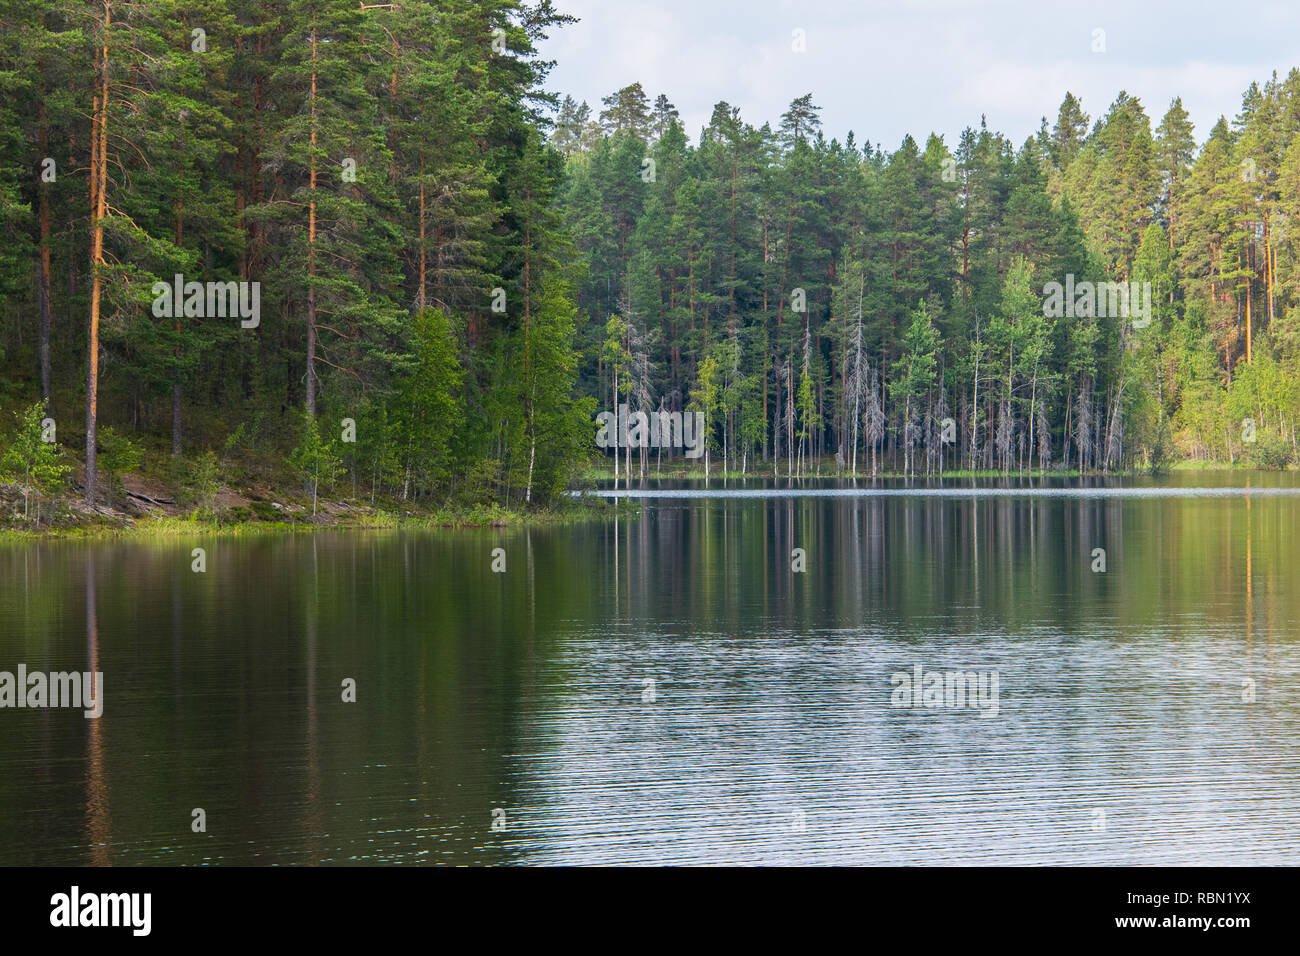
(311,250)
(44,280)
(99,186)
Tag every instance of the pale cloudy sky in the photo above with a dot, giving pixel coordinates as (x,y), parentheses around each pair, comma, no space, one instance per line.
(884,68)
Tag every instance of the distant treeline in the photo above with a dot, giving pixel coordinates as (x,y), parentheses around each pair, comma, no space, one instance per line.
(819,298)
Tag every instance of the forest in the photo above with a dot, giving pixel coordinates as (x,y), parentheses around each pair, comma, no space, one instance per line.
(457,269)
(831,305)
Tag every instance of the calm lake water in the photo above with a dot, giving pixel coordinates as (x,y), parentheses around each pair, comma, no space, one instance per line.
(665,688)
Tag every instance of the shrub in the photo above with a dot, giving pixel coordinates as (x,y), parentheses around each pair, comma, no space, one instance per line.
(117,455)
(1269,451)
(31,462)
(317,460)
(205,479)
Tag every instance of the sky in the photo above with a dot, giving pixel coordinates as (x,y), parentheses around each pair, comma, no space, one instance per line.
(886,68)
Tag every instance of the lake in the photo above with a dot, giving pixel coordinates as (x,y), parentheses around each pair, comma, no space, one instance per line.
(735,674)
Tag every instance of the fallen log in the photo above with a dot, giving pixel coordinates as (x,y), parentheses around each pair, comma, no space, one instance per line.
(152,501)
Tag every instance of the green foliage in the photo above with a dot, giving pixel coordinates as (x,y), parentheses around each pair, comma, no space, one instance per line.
(469,291)
(823,252)
(117,456)
(427,409)
(1270,451)
(204,479)
(364,164)
(316,458)
(557,424)
(31,462)
(914,371)
(1161,450)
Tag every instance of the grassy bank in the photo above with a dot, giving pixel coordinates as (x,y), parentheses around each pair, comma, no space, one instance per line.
(146,503)
(76,523)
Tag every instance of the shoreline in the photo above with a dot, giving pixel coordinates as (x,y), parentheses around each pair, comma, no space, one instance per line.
(100,526)
(268,516)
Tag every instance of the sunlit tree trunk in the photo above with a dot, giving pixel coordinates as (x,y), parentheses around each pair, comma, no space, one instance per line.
(99,204)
